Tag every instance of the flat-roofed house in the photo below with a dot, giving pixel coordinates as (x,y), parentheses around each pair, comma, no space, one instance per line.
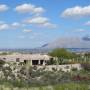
(33,59)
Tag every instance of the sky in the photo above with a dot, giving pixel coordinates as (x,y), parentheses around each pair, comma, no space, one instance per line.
(32,23)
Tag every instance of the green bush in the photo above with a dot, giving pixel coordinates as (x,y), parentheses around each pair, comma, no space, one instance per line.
(86,66)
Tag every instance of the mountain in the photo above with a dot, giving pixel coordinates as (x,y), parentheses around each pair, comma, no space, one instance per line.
(86,38)
(75,44)
(45,45)
(68,42)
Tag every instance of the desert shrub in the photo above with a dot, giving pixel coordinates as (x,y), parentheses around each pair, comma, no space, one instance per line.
(86,66)
(65,77)
(23,71)
(34,67)
(51,62)
(74,69)
(2,63)
(54,69)
(32,76)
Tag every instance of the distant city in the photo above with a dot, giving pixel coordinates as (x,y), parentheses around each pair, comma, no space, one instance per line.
(25,50)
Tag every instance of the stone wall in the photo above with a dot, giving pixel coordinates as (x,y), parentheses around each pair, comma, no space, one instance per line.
(67,67)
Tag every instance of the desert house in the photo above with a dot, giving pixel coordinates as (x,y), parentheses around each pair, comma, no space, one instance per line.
(32,59)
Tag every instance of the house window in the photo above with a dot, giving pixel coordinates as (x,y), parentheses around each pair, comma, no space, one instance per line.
(35,62)
(25,61)
(17,59)
(41,62)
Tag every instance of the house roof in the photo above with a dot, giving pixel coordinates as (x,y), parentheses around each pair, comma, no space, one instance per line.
(26,57)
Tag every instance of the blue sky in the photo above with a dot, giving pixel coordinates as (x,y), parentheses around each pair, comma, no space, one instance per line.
(32,23)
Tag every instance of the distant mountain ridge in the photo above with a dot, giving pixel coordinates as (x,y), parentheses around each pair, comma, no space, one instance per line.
(68,42)
(75,44)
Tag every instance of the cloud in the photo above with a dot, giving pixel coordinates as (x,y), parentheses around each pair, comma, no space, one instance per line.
(3,7)
(14,25)
(37,20)
(76,11)
(49,25)
(40,21)
(27,30)
(87,23)
(29,8)
(80,30)
(4,26)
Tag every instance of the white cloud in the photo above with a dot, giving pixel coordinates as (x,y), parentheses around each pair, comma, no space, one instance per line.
(27,30)
(76,11)
(49,25)
(29,8)
(3,7)
(15,25)
(4,26)
(40,21)
(87,23)
(37,20)
(38,10)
